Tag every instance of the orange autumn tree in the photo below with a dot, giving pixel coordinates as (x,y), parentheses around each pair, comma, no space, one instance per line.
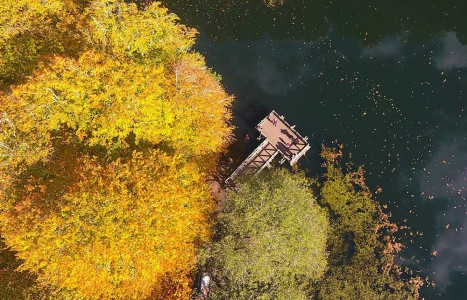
(114,230)
(104,155)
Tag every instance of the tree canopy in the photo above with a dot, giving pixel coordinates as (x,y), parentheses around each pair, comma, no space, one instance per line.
(272,239)
(106,139)
(361,241)
(109,230)
(33,30)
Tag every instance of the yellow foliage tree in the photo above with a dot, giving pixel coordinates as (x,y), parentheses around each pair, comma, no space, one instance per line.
(147,34)
(110,230)
(107,100)
(30,30)
(104,154)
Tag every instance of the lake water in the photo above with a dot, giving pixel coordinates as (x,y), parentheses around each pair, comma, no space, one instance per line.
(387,80)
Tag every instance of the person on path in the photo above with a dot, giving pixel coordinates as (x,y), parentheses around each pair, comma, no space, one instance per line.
(205,281)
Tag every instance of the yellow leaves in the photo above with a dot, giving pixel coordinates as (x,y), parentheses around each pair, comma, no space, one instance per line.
(105,101)
(96,97)
(122,227)
(20,140)
(18,16)
(31,30)
(134,88)
(103,150)
(203,103)
(122,29)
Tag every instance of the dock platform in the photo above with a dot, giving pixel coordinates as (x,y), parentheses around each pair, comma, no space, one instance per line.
(279,138)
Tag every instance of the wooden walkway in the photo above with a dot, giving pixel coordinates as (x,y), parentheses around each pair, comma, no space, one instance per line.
(279,138)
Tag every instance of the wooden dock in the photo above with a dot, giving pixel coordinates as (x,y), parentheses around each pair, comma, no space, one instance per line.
(279,138)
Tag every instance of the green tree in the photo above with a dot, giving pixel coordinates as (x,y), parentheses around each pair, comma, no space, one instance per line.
(272,239)
(361,242)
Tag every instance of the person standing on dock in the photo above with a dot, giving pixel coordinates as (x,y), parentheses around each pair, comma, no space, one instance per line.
(274,122)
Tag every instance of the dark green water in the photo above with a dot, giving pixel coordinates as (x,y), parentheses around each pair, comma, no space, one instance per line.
(385,78)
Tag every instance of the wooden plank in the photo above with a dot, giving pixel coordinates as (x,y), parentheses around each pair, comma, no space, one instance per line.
(251,158)
(281,138)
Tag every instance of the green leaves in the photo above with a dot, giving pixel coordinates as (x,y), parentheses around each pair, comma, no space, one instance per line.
(273,240)
(361,258)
